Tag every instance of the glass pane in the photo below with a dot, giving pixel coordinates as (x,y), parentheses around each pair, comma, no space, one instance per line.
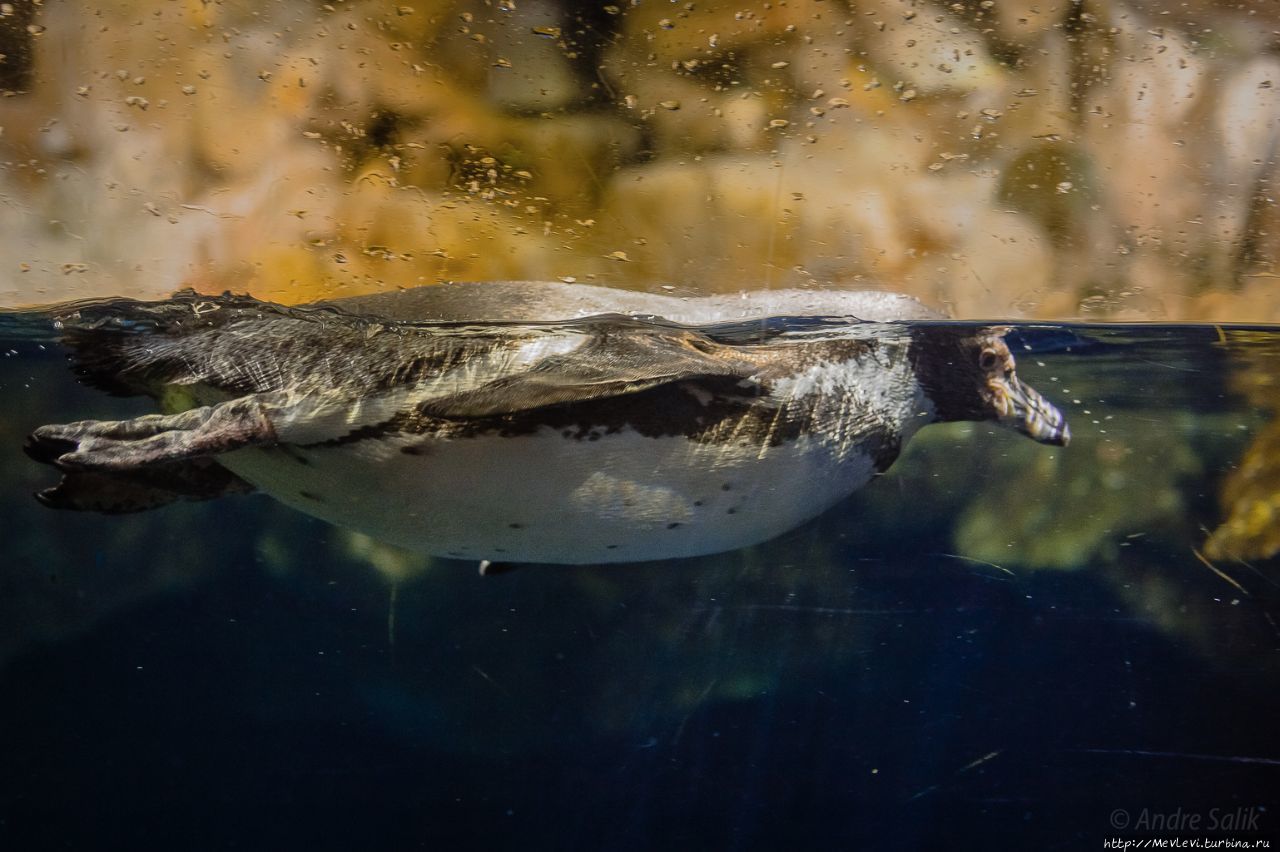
(313,312)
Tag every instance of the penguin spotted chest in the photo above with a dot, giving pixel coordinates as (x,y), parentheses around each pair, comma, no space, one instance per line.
(602,439)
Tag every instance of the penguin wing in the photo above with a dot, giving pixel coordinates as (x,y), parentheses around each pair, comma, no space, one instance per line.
(315,376)
(610,357)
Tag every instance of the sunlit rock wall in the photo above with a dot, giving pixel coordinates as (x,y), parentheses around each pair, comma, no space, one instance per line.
(1096,159)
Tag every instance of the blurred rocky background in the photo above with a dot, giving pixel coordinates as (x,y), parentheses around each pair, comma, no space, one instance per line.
(1098,159)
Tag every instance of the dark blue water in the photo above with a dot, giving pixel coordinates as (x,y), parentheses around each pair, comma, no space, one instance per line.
(997,645)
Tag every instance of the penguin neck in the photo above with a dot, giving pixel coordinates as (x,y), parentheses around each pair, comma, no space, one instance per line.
(854,396)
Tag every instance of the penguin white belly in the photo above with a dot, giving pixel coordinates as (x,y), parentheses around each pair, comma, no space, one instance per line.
(544,497)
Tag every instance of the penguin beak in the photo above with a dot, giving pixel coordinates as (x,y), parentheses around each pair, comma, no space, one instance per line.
(1020,407)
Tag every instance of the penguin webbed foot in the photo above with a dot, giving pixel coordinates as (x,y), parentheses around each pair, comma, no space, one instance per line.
(119,445)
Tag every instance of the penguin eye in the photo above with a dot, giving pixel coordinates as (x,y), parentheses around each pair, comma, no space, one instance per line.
(988,360)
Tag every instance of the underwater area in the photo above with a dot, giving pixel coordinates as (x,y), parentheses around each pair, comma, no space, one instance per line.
(994,645)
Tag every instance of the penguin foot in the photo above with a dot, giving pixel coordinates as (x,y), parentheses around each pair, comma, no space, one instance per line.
(113,445)
(490,569)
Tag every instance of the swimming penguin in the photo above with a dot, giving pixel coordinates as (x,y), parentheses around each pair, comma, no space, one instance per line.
(526,422)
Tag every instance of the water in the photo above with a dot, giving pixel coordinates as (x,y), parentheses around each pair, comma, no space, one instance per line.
(997,645)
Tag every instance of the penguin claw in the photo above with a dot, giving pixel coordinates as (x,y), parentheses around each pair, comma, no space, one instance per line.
(489,568)
(47,448)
